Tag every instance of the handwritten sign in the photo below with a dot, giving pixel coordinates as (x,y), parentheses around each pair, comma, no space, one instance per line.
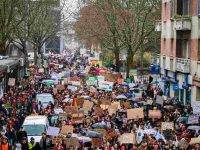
(127,138)
(66,129)
(53,131)
(87,105)
(135,113)
(195,140)
(167,126)
(155,114)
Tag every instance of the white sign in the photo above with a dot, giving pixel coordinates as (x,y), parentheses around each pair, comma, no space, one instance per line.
(105,85)
(196,107)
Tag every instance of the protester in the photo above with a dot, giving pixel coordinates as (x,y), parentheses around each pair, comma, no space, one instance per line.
(98,117)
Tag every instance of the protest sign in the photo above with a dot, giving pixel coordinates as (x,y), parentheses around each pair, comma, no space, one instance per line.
(78,117)
(72,142)
(167,126)
(60,87)
(195,140)
(98,111)
(193,119)
(55,90)
(112,111)
(66,129)
(11,82)
(100,78)
(135,113)
(91,81)
(196,107)
(155,114)
(126,105)
(53,131)
(105,85)
(63,116)
(116,105)
(159,100)
(127,138)
(87,105)
(105,102)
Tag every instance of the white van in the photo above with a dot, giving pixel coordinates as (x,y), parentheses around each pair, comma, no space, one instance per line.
(35,125)
(45,98)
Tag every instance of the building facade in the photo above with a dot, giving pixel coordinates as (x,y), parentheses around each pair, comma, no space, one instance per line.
(179,57)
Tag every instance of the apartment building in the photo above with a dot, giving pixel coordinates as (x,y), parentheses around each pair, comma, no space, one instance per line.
(179,57)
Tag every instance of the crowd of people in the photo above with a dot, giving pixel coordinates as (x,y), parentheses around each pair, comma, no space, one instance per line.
(110,123)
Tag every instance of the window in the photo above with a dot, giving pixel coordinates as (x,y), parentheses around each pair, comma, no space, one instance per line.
(198,49)
(199,7)
(182,7)
(198,94)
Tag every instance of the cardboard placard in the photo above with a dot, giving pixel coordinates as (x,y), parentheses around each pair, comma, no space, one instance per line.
(167,126)
(126,105)
(71,109)
(116,105)
(60,87)
(105,102)
(155,114)
(72,142)
(67,129)
(53,131)
(97,142)
(159,100)
(87,105)
(127,138)
(98,111)
(63,116)
(195,140)
(55,90)
(135,113)
(112,111)
(11,82)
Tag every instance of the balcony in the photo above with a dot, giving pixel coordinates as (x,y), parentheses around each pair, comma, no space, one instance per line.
(183,65)
(158,26)
(183,24)
(156,59)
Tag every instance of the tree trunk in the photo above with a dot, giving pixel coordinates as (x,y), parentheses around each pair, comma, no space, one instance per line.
(35,56)
(117,61)
(129,61)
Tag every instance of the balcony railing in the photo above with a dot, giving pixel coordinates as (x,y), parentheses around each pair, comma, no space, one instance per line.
(156,59)
(183,65)
(182,24)
(158,26)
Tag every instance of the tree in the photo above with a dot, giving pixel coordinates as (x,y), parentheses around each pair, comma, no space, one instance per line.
(137,24)
(9,20)
(93,28)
